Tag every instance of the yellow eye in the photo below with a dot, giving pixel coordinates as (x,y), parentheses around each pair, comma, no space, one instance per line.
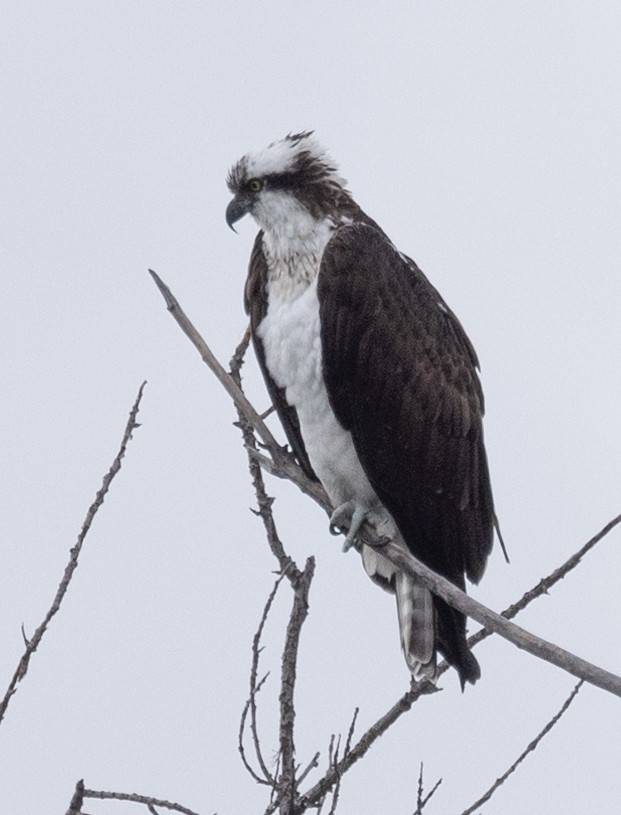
(255,185)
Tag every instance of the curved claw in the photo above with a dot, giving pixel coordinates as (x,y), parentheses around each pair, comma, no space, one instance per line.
(348,518)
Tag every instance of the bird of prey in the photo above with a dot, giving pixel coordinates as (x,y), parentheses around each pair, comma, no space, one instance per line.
(374,381)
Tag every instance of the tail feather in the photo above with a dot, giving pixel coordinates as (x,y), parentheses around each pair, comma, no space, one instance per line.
(426,623)
(416,614)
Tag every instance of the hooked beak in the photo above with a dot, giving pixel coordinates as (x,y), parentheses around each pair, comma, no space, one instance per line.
(239,206)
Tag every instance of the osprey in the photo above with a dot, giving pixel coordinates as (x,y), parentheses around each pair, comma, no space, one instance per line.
(374,381)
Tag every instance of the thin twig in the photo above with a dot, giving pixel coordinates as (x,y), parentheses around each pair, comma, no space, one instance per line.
(312,764)
(427,797)
(546,583)
(264,501)
(33,643)
(532,746)
(419,793)
(138,799)
(251,703)
(423,800)
(337,787)
(318,791)
(240,738)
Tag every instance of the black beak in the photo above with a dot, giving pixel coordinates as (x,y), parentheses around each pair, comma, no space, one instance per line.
(239,206)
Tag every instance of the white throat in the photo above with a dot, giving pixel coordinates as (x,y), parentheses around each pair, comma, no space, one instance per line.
(293,242)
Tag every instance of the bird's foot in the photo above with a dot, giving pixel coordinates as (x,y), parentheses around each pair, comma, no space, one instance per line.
(348,516)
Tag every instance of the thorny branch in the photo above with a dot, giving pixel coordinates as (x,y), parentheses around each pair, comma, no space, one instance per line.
(33,643)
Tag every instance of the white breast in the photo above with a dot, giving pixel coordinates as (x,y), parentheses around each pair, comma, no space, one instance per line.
(291,337)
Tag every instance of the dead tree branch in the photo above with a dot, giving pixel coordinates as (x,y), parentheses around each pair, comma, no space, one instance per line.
(421,799)
(33,643)
(75,807)
(277,461)
(532,746)
(287,783)
(251,704)
(285,461)
(521,638)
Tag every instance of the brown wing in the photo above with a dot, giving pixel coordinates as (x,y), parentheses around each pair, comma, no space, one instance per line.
(255,302)
(401,376)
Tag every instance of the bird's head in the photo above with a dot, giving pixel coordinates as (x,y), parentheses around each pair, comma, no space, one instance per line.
(290,177)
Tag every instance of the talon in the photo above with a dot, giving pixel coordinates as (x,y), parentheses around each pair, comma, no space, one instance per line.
(348,544)
(348,516)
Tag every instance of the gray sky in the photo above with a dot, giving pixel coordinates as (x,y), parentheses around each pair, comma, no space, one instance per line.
(484,137)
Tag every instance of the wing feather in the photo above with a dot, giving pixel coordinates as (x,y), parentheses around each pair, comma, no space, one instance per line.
(401,376)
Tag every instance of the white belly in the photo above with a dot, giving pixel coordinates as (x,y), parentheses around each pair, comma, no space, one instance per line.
(291,337)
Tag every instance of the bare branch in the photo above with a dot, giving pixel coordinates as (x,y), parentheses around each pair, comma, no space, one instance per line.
(33,643)
(312,765)
(319,790)
(75,807)
(146,800)
(337,786)
(282,464)
(532,746)
(225,379)
(287,783)
(404,704)
(427,797)
(240,741)
(546,583)
(500,625)
(264,502)
(251,703)
(423,800)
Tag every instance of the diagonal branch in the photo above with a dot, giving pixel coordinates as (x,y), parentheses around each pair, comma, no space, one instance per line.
(320,789)
(419,689)
(283,465)
(500,625)
(532,746)
(225,379)
(33,643)
(558,574)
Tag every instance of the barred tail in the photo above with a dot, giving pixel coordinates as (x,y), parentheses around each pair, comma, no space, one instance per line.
(416,612)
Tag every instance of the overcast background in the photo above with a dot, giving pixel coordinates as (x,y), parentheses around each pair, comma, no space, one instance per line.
(484,137)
